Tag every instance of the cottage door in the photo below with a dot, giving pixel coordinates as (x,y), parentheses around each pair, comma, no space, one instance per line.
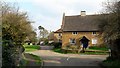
(84,42)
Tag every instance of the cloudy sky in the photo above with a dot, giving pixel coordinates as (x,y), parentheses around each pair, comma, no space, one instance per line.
(48,13)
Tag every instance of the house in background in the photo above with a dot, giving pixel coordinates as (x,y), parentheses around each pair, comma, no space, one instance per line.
(58,35)
(75,27)
(51,37)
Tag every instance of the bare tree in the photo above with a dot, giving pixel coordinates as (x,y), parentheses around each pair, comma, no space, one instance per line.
(110,27)
(43,32)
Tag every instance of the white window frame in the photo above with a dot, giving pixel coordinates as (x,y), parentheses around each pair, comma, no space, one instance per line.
(94,33)
(74,33)
(94,41)
(59,34)
(71,41)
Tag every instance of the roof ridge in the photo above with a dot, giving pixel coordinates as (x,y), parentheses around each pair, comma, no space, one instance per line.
(80,15)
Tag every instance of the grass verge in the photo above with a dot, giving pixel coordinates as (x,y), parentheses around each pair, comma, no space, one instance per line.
(30,60)
(95,53)
(59,50)
(98,48)
(29,48)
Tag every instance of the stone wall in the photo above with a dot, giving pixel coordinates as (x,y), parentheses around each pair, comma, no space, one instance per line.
(67,35)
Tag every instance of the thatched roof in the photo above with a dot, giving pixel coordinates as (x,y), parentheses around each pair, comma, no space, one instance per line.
(80,23)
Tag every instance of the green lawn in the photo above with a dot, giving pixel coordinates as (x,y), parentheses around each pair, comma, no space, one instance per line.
(29,48)
(95,53)
(98,48)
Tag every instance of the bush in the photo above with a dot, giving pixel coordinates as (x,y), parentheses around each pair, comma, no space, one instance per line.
(33,43)
(11,53)
(56,44)
(46,42)
(111,63)
(38,43)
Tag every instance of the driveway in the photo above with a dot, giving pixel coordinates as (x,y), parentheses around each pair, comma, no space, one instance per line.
(51,58)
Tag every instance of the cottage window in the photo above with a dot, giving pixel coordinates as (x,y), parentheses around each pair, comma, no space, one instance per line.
(94,41)
(72,41)
(59,34)
(74,33)
(59,40)
(94,33)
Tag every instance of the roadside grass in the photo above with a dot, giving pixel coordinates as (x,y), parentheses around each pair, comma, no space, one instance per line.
(59,50)
(29,48)
(95,53)
(23,62)
(98,48)
(37,58)
(108,63)
(30,60)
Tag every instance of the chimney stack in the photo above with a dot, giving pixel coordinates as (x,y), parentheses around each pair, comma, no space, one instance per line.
(63,21)
(83,13)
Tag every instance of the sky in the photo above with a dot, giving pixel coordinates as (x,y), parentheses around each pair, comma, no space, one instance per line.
(48,13)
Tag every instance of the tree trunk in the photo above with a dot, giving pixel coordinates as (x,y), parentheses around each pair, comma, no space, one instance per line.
(115,49)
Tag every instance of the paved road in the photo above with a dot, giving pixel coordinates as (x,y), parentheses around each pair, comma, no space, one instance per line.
(51,58)
(45,47)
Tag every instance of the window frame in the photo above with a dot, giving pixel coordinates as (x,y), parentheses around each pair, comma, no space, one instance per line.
(72,41)
(75,33)
(59,34)
(94,41)
(94,33)
(59,40)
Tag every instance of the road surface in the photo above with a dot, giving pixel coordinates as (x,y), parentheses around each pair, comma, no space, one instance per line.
(51,58)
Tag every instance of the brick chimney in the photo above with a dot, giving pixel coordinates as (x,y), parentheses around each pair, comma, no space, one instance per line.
(83,13)
(63,20)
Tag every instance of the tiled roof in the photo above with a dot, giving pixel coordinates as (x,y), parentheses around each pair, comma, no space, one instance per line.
(58,31)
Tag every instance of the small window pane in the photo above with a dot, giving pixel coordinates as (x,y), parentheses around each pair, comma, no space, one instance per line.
(59,34)
(94,41)
(94,33)
(74,33)
(72,41)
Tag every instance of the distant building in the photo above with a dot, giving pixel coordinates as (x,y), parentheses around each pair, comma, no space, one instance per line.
(58,36)
(51,37)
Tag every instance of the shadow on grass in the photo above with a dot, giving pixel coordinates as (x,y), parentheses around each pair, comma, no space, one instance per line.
(31,60)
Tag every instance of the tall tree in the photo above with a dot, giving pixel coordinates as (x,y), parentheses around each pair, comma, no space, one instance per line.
(110,27)
(43,32)
(15,28)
